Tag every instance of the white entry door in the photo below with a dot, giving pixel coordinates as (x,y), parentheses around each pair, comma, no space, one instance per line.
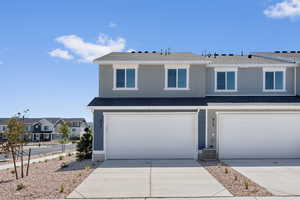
(259,135)
(150,135)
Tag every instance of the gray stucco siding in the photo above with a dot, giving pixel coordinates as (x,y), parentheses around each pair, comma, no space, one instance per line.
(99,121)
(151,83)
(249,82)
(298,80)
(98,140)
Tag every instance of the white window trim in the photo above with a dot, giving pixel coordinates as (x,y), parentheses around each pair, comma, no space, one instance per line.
(177,66)
(269,69)
(125,66)
(227,69)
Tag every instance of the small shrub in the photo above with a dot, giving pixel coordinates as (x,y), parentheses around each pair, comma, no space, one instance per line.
(79,174)
(62,188)
(87,168)
(46,161)
(12,171)
(70,154)
(20,186)
(226,170)
(64,165)
(85,145)
(246,185)
(60,157)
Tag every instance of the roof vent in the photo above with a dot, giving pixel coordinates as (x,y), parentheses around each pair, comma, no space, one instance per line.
(276,51)
(133,52)
(249,56)
(145,51)
(153,51)
(231,54)
(284,52)
(223,54)
(140,52)
(292,51)
(215,55)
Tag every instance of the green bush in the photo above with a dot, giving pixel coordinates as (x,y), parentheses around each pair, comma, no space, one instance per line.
(85,145)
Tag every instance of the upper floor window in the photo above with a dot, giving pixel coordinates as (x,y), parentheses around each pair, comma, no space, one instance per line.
(274,80)
(226,80)
(125,77)
(46,128)
(176,77)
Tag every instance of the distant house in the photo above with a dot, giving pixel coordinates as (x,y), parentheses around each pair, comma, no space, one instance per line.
(47,129)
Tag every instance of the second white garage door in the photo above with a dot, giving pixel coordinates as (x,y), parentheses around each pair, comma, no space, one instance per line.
(150,135)
(259,135)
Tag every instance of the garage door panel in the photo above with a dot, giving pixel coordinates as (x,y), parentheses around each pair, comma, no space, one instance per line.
(259,135)
(150,136)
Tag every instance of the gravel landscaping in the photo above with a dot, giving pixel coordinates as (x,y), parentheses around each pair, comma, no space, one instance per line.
(25,158)
(233,181)
(46,180)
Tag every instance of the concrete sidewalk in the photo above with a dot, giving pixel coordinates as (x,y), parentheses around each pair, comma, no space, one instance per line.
(205,198)
(149,178)
(11,165)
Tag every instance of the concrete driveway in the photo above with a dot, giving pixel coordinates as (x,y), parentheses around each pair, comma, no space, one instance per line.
(149,178)
(280,177)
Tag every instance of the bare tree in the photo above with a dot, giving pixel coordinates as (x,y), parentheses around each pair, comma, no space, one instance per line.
(64,129)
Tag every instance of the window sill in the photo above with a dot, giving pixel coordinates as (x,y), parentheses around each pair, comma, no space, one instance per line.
(274,90)
(125,88)
(226,90)
(176,88)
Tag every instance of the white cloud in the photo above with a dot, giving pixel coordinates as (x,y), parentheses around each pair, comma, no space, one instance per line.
(112,25)
(87,51)
(61,54)
(284,9)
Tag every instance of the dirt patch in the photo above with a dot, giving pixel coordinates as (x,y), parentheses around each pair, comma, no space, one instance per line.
(233,181)
(46,180)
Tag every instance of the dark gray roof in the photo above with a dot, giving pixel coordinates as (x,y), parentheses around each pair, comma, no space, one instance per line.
(53,120)
(128,56)
(197,101)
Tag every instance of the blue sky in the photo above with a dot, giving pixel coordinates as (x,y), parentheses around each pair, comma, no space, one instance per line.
(46,46)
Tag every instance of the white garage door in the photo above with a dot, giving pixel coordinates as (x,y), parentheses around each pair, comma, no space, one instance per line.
(259,135)
(150,135)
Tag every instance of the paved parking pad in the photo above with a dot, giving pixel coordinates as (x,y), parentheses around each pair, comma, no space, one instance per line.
(149,178)
(280,177)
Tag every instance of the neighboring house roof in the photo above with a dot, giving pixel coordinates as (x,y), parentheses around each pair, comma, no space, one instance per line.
(291,56)
(53,120)
(190,101)
(157,57)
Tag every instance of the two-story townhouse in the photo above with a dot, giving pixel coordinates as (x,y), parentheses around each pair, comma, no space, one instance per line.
(182,105)
(47,129)
(77,126)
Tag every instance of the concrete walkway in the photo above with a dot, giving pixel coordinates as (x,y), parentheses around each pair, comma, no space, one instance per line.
(149,178)
(11,165)
(204,198)
(280,177)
